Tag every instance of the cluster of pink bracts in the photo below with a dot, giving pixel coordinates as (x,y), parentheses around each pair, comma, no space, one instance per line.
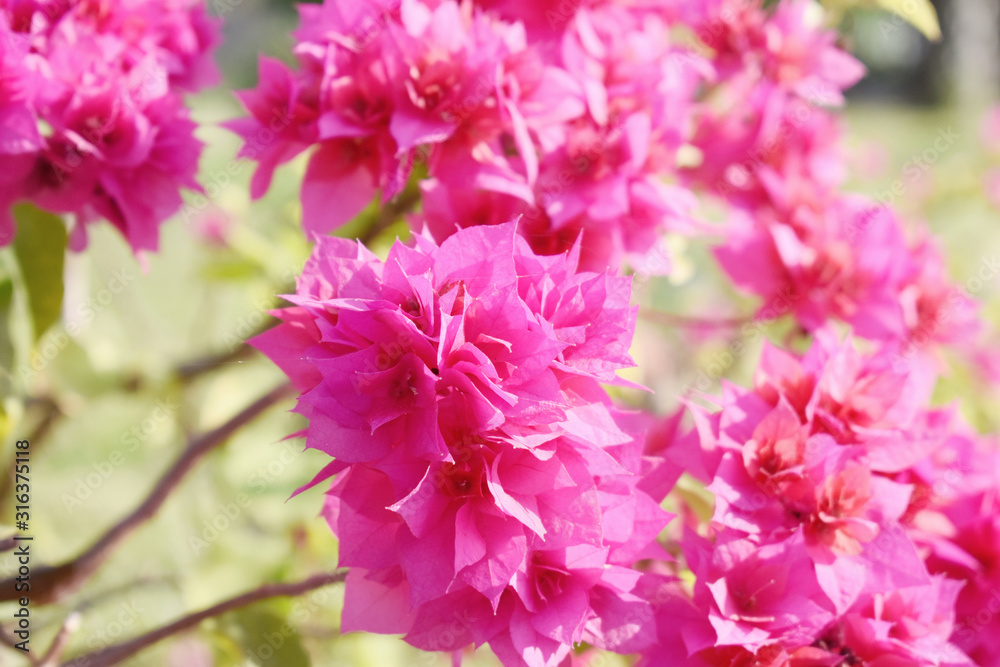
(484,487)
(486,490)
(92,121)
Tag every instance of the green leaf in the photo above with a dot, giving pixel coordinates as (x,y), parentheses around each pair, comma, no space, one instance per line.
(6,340)
(40,248)
(234,269)
(919,13)
(268,638)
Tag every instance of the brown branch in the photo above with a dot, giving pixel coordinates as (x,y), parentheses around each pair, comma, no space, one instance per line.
(7,640)
(114,654)
(52,584)
(51,413)
(193,369)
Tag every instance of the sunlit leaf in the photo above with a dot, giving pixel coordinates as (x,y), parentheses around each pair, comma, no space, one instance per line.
(6,340)
(40,248)
(919,13)
(237,269)
(269,639)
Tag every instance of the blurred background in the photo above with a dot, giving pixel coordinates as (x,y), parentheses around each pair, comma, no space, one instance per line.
(161,359)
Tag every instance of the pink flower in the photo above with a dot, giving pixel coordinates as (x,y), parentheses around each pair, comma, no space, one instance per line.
(477,460)
(955,520)
(832,459)
(764,138)
(575,138)
(282,124)
(991,186)
(989,129)
(762,594)
(816,267)
(789,45)
(19,137)
(376,84)
(105,80)
(780,152)
(909,626)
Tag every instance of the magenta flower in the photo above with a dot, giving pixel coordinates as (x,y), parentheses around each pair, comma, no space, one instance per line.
(852,263)
(576,138)
(19,136)
(910,626)
(376,83)
(833,467)
(767,141)
(760,594)
(105,80)
(478,463)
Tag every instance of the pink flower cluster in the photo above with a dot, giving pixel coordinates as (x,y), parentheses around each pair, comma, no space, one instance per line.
(772,151)
(850,261)
(764,136)
(848,520)
(485,488)
(93,121)
(575,127)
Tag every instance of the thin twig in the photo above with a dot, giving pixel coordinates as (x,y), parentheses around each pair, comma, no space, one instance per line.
(52,584)
(7,640)
(51,413)
(193,369)
(61,641)
(189,371)
(114,654)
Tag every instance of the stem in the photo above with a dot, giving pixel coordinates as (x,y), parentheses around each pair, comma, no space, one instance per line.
(50,414)
(390,213)
(52,584)
(115,654)
(193,369)
(59,644)
(241,352)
